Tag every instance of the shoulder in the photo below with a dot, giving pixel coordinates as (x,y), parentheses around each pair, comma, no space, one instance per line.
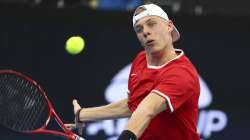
(182,63)
(180,76)
(140,55)
(182,68)
(140,58)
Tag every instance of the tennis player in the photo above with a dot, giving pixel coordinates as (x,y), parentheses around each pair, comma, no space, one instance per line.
(163,85)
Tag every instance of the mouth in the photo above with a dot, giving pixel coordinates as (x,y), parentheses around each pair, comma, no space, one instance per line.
(150,42)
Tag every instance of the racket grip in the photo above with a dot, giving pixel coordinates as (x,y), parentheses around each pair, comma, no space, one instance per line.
(79,138)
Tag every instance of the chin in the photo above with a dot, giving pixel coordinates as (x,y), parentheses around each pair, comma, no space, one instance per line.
(154,51)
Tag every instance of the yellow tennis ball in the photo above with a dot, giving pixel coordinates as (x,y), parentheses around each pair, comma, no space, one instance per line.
(75,44)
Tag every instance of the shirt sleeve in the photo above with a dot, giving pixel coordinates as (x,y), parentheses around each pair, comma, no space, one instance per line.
(176,86)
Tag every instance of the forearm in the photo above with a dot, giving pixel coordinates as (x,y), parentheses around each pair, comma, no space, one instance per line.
(151,106)
(111,111)
(138,122)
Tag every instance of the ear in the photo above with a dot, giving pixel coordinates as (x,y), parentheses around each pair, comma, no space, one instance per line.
(170,25)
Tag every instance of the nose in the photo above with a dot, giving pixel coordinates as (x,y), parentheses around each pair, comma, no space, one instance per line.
(146,32)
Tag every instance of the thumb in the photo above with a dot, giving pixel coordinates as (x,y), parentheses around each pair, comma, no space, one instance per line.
(76,106)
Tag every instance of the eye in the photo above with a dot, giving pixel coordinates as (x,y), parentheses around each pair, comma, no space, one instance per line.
(138,29)
(151,23)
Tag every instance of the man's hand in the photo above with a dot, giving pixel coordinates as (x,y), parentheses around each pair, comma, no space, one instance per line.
(77,125)
(76,106)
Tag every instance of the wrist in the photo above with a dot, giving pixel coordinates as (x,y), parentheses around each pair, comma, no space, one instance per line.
(77,116)
(127,135)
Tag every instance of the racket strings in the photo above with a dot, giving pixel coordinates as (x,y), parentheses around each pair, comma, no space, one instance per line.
(22,106)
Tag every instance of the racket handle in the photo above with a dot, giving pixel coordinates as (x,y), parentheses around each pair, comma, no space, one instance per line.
(79,138)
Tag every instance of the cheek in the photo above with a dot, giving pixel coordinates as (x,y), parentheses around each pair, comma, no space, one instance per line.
(164,35)
(140,38)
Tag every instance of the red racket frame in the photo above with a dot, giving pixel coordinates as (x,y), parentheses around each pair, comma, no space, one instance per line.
(68,134)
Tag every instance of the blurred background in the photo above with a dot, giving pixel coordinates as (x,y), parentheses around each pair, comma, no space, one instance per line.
(214,35)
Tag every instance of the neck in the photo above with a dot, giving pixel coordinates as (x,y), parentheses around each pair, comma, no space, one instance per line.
(161,57)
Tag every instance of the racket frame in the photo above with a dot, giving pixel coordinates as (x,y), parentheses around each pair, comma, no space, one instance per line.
(68,134)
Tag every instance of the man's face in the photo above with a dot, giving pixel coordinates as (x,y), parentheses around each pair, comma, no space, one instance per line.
(154,33)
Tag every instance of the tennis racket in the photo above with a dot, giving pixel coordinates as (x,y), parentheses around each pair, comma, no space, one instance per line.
(25,108)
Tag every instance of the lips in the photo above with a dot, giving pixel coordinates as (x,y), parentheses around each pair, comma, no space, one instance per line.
(150,42)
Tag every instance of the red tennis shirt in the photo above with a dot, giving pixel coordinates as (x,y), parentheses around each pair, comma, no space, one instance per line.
(178,83)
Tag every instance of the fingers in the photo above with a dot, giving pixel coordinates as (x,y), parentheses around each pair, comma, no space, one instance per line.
(76,106)
(80,125)
(77,125)
(70,126)
(74,126)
